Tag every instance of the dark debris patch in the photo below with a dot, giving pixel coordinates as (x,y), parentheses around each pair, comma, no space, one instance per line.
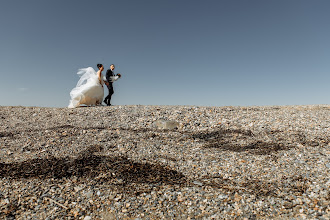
(295,185)
(6,134)
(262,148)
(219,133)
(257,147)
(9,211)
(60,127)
(227,140)
(87,165)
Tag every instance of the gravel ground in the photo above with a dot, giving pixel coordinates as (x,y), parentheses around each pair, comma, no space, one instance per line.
(165,162)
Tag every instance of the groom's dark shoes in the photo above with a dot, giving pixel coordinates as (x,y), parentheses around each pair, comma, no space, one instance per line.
(106,101)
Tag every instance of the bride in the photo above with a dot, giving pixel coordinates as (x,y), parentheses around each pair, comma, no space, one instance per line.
(89,89)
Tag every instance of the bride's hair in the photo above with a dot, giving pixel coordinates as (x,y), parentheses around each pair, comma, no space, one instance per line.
(99,65)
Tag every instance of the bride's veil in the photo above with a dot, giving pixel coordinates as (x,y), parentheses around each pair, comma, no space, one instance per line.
(85,75)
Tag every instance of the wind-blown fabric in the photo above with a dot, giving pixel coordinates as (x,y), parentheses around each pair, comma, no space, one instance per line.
(88,90)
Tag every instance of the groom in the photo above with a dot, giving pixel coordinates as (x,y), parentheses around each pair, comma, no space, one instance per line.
(110,77)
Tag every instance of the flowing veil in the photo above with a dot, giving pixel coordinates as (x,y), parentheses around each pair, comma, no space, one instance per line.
(85,75)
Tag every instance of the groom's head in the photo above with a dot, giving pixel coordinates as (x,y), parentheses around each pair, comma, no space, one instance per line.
(112,66)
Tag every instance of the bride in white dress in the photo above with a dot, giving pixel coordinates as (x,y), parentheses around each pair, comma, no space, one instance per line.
(89,89)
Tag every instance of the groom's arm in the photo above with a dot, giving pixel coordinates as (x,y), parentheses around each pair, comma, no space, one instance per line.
(114,78)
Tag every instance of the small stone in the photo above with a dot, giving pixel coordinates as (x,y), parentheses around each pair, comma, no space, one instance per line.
(118,198)
(198,183)
(163,124)
(288,205)
(237,197)
(89,194)
(222,196)
(78,188)
(88,218)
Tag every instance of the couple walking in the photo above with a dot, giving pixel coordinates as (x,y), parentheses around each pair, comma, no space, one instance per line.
(89,89)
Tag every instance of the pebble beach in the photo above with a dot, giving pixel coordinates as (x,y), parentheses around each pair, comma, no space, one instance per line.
(165,162)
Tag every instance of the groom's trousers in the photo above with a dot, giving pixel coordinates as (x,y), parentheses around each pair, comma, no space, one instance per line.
(110,90)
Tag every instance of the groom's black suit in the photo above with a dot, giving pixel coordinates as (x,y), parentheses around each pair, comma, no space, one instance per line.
(110,86)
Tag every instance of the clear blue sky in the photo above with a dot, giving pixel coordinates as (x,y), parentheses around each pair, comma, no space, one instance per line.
(169,52)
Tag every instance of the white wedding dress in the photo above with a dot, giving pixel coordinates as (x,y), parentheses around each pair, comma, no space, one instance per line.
(88,91)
